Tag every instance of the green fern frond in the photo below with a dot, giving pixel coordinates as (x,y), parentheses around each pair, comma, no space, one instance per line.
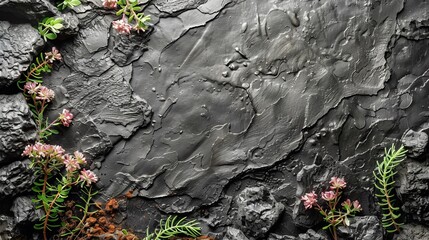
(384,182)
(173,227)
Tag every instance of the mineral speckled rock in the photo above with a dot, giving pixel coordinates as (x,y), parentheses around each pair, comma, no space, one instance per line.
(17,128)
(15,178)
(362,228)
(258,211)
(415,143)
(414,191)
(19,43)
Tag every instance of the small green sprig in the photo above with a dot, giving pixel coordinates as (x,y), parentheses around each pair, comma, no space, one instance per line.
(76,231)
(173,227)
(131,9)
(384,182)
(68,4)
(49,27)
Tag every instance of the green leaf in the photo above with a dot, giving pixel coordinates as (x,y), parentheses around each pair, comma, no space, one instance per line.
(51,36)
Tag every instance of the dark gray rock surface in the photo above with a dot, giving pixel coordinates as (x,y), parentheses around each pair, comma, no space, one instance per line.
(24,211)
(415,143)
(234,234)
(223,96)
(414,191)
(362,228)
(17,128)
(413,232)
(15,178)
(31,11)
(19,43)
(258,211)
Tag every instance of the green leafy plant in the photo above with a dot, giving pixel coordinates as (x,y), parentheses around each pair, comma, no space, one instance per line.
(56,172)
(173,227)
(39,96)
(68,4)
(131,10)
(331,213)
(384,182)
(76,230)
(132,17)
(49,27)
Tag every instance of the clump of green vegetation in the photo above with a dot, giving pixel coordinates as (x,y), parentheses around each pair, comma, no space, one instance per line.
(172,227)
(49,27)
(68,4)
(384,182)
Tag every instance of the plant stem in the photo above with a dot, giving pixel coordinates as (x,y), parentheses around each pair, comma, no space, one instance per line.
(34,69)
(48,212)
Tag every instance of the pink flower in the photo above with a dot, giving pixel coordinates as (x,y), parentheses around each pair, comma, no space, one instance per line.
(329,195)
(310,199)
(88,176)
(109,4)
(356,206)
(71,163)
(122,26)
(337,183)
(41,150)
(53,55)
(66,118)
(45,93)
(79,157)
(31,87)
(28,151)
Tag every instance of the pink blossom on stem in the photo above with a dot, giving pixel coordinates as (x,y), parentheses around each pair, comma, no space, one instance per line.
(88,176)
(45,93)
(329,195)
(356,206)
(309,199)
(80,157)
(66,118)
(347,204)
(41,150)
(122,26)
(71,163)
(337,183)
(109,4)
(31,87)
(53,55)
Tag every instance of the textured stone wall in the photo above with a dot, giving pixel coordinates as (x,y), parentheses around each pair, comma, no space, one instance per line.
(229,110)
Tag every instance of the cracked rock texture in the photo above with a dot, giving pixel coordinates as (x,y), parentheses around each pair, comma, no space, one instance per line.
(219,98)
(19,43)
(17,128)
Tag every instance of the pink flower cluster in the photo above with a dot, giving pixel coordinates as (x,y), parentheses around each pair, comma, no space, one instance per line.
(122,26)
(72,163)
(53,55)
(310,199)
(41,150)
(66,118)
(41,92)
(337,183)
(109,4)
(88,177)
(355,205)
